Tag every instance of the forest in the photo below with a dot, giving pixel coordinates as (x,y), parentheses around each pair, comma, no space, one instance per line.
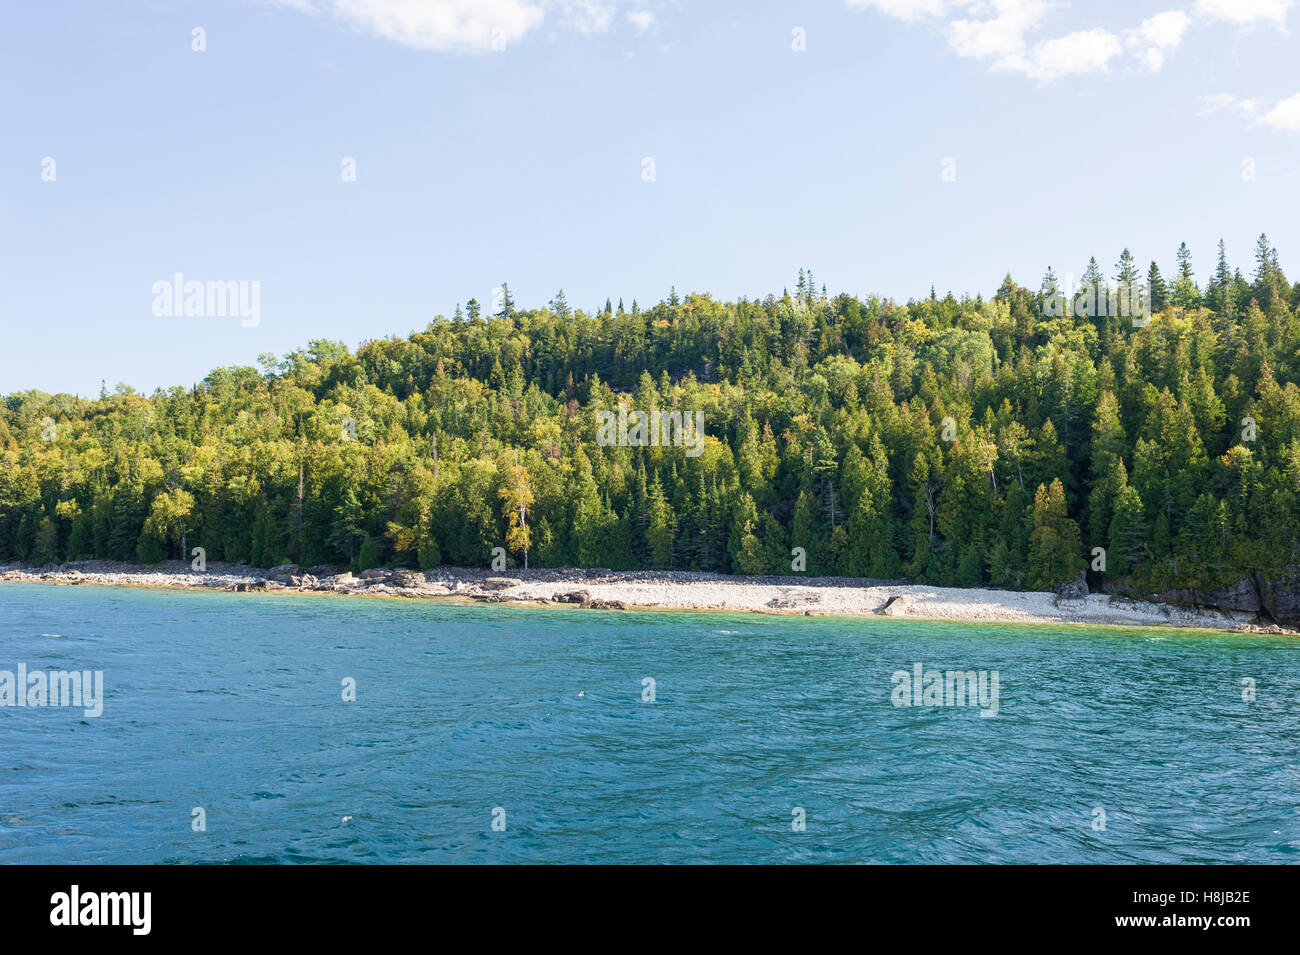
(967,441)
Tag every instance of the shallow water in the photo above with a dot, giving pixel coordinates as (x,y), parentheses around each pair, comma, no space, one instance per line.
(233,703)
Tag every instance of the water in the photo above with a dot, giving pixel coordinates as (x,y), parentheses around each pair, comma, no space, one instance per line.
(233,703)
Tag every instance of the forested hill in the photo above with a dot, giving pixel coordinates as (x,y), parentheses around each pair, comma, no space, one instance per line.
(957,441)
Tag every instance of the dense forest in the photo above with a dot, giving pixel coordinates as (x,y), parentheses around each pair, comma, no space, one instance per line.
(956,441)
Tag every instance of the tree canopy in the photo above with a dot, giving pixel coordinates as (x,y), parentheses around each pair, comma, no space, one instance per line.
(958,441)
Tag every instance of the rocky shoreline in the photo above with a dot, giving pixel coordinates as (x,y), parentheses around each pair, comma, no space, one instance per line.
(610,590)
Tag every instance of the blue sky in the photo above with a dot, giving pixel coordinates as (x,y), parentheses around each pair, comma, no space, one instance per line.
(506,140)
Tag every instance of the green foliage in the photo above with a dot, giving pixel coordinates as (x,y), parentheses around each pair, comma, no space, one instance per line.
(1054,546)
(959,441)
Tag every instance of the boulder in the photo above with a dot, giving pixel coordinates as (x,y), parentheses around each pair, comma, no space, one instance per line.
(572,597)
(282,573)
(406,579)
(794,600)
(1123,587)
(1075,589)
(246,586)
(501,583)
(599,603)
(894,606)
(375,573)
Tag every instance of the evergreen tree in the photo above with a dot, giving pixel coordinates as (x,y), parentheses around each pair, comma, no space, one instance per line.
(1157,289)
(1054,544)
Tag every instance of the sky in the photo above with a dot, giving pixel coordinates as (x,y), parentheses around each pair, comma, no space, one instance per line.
(365,165)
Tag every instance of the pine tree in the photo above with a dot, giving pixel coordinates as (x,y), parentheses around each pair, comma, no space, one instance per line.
(743,544)
(1157,289)
(1126,271)
(1219,290)
(507,303)
(45,546)
(1184,293)
(559,305)
(1127,533)
(1054,544)
(1270,285)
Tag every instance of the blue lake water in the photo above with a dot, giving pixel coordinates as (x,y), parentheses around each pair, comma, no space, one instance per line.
(234,703)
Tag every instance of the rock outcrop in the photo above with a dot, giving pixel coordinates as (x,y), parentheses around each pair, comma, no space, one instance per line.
(1073,590)
(283,573)
(1239,597)
(794,601)
(572,597)
(895,606)
(599,603)
(1279,594)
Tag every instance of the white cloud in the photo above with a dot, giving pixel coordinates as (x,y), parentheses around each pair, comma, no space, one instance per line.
(1245,12)
(1285,116)
(1084,51)
(467,24)
(1216,102)
(1222,101)
(1158,36)
(302,6)
(1001,37)
(1006,33)
(433,24)
(588,16)
(905,9)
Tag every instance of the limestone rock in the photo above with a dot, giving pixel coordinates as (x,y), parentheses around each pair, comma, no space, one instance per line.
(793,601)
(894,606)
(282,573)
(1075,589)
(599,603)
(1279,593)
(572,597)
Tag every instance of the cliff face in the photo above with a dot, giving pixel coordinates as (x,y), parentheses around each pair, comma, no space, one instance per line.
(1240,597)
(1280,594)
(1274,593)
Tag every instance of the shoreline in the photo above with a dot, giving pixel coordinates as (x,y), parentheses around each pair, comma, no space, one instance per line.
(664,590)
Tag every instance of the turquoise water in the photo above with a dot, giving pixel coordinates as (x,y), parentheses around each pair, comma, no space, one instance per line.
(233,703)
